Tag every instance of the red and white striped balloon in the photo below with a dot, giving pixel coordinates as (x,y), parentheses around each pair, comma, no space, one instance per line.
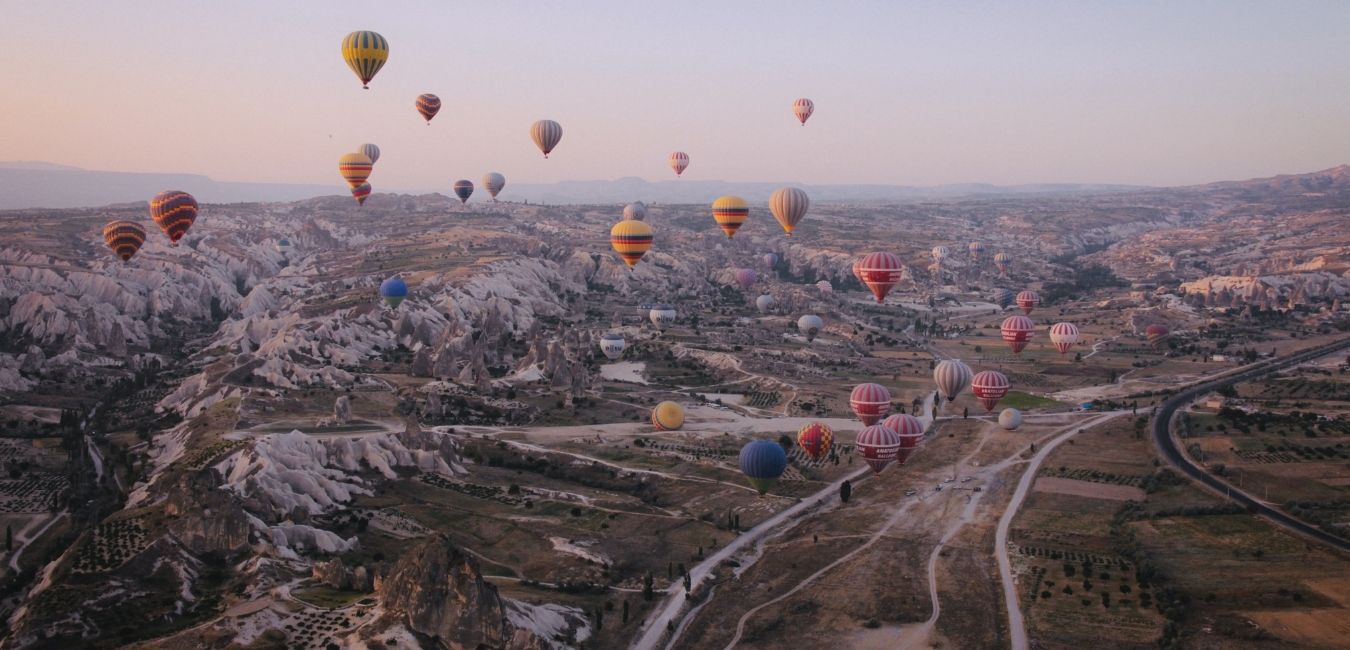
(1027,301)
(989,386)
(1063,336)
(870,402)
(879,446)
(1017,331)
(910,430)
(880,272)
(679,161)
(803,108)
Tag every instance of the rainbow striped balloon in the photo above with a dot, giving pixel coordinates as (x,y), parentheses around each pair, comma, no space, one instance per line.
(631,239)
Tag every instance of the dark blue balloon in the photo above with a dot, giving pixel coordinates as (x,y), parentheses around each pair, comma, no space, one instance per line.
(763,461)
(394,288)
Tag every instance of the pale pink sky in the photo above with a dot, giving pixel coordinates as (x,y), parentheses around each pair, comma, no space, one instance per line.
(908,93)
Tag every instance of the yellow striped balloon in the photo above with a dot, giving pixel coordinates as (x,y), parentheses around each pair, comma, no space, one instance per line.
(365,53)
(631,239)
(124,238)
(546,135)
(355,168)
(730,212)
(667,416)
(789,205)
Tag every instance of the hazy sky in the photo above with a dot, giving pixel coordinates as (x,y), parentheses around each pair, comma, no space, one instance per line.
(912,93)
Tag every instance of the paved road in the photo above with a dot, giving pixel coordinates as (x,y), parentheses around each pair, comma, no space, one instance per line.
(1172,453)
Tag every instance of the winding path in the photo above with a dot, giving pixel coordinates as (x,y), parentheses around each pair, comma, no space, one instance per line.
(1017,628)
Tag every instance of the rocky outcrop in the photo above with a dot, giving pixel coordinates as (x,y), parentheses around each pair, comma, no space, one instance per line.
(437,591)
(342,410)
(338,575)
(204,518)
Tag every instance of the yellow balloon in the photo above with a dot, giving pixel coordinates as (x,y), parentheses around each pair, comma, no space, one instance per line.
(365,53)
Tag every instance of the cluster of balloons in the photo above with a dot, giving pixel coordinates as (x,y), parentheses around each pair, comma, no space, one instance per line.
(173,211)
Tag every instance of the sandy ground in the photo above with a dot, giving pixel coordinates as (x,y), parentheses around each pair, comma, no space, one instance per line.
(1088,489)
(625,371)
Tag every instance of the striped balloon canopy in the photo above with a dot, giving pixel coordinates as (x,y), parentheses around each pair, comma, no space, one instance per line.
(870,402)
(789,205)
(124,238)
(371,151)
(361,193)
(631,239)
(989,386)
(951,377)
(463,189)
(493,183)
(730,213)
(1027,301)
(365,53)
(1017,331)
(880,272)
(174,212)
(1063,336)
(909,429)
(355,168)
(546,135)
(803,108)
(879,445)
(427,105)
(679,161)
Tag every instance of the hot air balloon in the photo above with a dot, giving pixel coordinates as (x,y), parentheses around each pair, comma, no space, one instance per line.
(667,416)
(1063,336)
(825,287)
(789,205)
(631,240)
(1027,301)
(1010,419)
(355,168)
(463,189)
(1155,334)
(428,105)
(283,246)
(730,212)
(745,277)
(810,325)
(803,108)
(762,462)
(371,151)
(857,270)
(393,290)
(976,250)
(635,211)
(124,238)
(870,402)
(770,259)
(493,183)
(1002,260)
(764,303)
(951,377)
(546,134)
(361,193)
(365,53)
(940,253)
(879,446)
(880,272)
(612,346)
(174,212)
(678,162)
(662,316)
(989,386)
(910,430)
(1017,331)
(1003,298)
(815,439)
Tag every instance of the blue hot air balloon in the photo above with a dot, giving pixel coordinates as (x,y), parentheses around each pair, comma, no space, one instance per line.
(762,462)
(1003,298)
(393,290)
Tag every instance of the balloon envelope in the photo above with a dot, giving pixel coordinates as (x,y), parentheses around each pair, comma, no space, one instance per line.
(870,402)
(546,135)
(679,161)
(124,238)
(667,416)
(365,53)
(1010,419)
(464,190)
(371,151)
(880,272)
(989,386)
(494,183)
(174,212)
(879,446)
(427,105)
(951,377)
(810,325)
(355,168)
(789,205)
(612,345)
(815,439)
(762,462)
(635,211)
(1016,332)
(393,290)
(803,108)
(631,240)
(764,303)
(730,213)
(1063,336)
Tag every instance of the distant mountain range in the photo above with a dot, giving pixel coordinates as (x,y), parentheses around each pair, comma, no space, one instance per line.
(32,184)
